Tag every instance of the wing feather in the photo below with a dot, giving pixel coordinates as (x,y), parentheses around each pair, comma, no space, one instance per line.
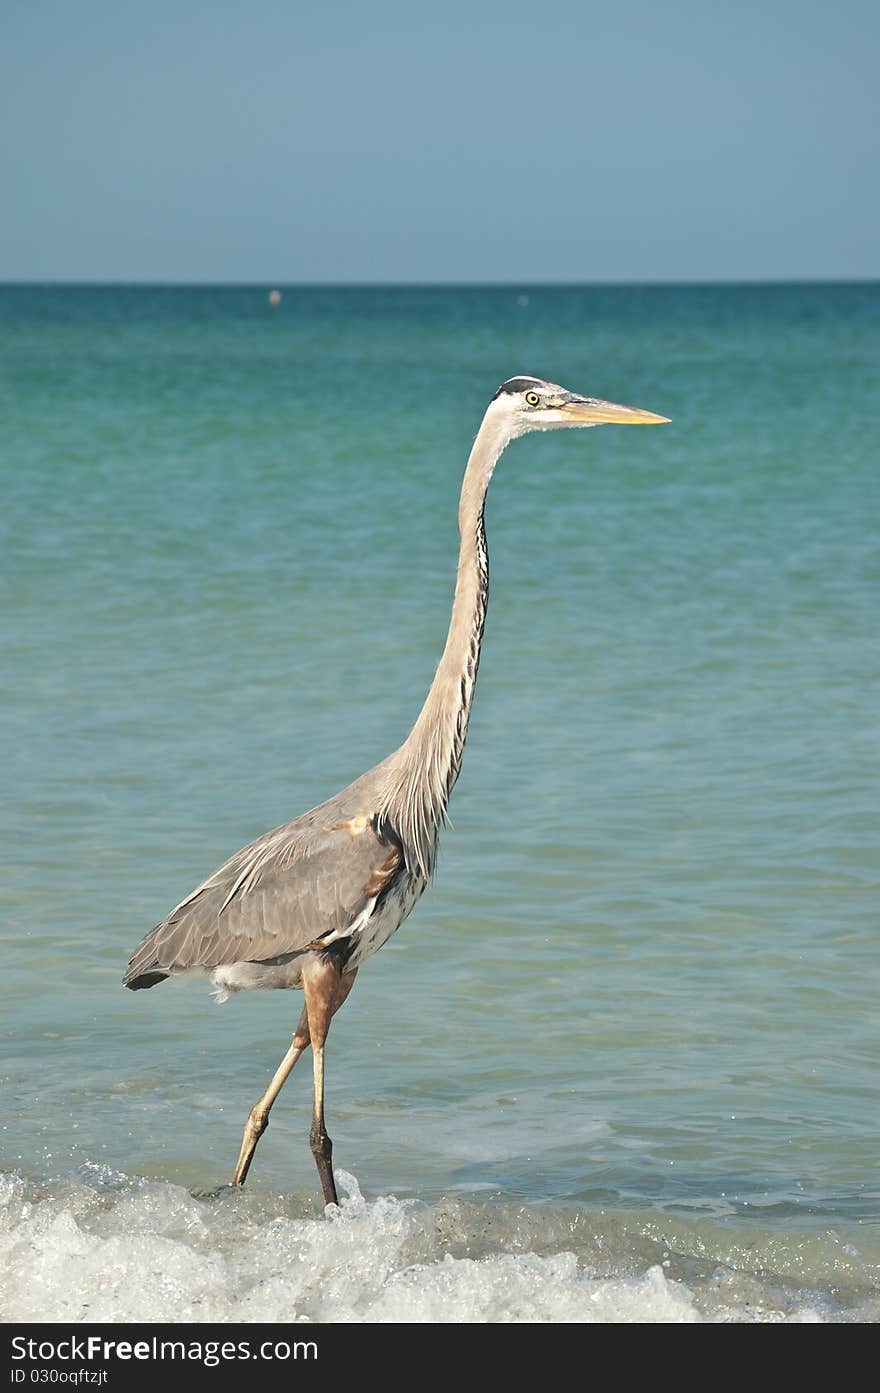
(273,899)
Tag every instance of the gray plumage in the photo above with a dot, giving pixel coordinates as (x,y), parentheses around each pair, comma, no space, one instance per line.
(309,880)
(307,903)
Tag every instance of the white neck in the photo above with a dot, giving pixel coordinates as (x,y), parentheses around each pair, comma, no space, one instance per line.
(427,765)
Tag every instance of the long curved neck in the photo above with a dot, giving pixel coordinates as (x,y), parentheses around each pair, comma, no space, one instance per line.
(427,764)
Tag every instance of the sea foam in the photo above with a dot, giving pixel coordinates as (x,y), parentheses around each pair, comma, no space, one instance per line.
(109,1248)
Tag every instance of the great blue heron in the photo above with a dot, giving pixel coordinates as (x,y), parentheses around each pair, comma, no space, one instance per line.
(307,903)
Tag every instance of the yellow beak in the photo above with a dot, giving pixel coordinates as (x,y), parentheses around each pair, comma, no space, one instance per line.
(591,411)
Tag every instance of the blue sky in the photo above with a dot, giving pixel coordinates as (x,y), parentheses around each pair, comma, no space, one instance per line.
(484,141)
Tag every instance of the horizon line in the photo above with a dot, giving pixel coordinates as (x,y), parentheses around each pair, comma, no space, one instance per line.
(268,283)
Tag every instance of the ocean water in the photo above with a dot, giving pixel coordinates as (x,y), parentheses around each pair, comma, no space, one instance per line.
(621,1063)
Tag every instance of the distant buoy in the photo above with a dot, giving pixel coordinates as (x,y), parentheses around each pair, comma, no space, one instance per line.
(274,298)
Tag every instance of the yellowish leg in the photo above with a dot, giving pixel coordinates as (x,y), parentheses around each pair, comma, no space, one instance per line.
(258,1118)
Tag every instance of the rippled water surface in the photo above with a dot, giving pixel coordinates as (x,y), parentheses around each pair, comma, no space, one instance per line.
(635,1018)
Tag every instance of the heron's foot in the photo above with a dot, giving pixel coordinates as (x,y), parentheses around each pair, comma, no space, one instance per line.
(220,1192)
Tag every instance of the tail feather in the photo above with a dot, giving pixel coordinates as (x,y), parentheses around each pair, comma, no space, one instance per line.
(144,967)
(139,981)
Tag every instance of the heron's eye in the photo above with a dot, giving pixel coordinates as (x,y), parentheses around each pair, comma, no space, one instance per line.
(532,398)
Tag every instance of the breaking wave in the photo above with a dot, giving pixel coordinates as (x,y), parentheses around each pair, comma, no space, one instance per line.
(103,1246)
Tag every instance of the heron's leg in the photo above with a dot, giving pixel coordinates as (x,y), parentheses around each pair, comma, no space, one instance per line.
(321,983)
(258,1119)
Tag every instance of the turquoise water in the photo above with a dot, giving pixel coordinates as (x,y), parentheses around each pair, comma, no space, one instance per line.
(635,1018)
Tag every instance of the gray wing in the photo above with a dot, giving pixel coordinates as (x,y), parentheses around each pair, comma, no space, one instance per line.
(303,882)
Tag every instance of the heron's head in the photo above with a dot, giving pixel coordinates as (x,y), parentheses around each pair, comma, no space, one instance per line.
(530,403)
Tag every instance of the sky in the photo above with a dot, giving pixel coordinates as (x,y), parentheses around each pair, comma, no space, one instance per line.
(286,141)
